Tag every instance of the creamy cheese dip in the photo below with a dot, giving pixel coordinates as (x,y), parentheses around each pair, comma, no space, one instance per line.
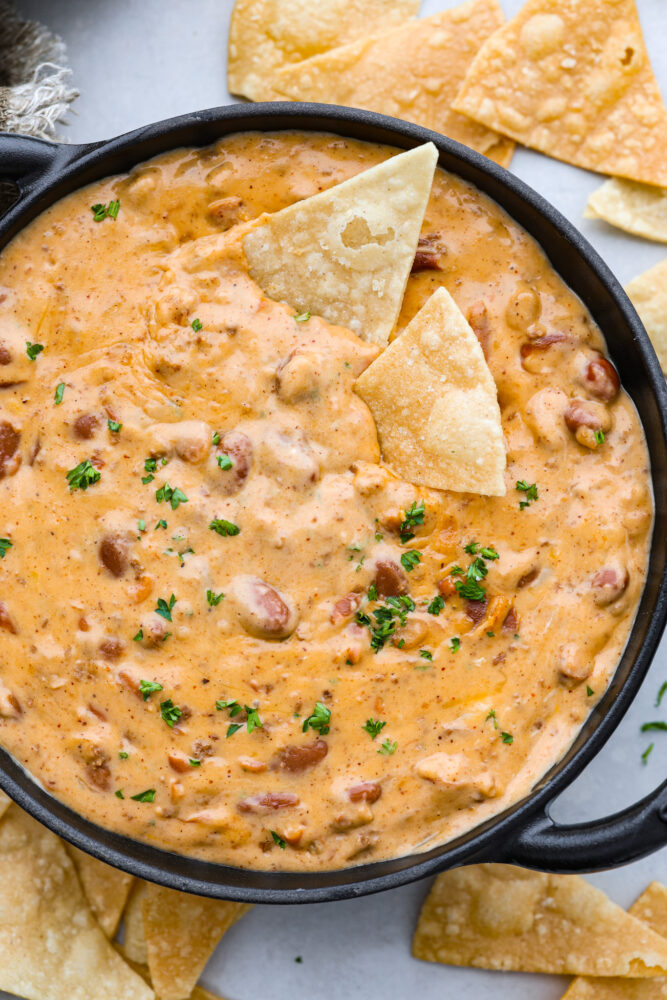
(181,437)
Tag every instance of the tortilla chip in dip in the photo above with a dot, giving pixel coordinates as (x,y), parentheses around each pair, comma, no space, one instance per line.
(651,909)
(639,209)
(413,72)
(182,932)
(105,888)
(572,78)
(346,254)
(648,294)
(267,34)
(51,946)
(502,917)
(435,405)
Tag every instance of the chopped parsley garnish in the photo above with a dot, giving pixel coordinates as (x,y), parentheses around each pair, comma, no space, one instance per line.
(388,747)
(426,654)
(223,527)
(410,559)
(147,796)
(253,720)
(148,688)
(172,495)
(388,618)
(413,517)
(225,462)
(303,317)
(170,713)
(161,524)
(436,605)
(488,552)
(114,426)
(492,716)
(5,545)
(491,635)
(196,325)
(164,608)
(372,593)
(101,212)
(141,524)
(123,754)
(648,726)
(472,548)
(319,720)
(147,479)
(647,753)
(507,738)
(277,839)
(234,728)
(373,727)
(529,490)
(150,464)
(589,691)
(469,588)
(194,763)
(213,599)
(216,437)
(32,350)
(83,476)
(661,694)
(119,793)
(139,636)
(455,644)
(599,437)
(59,393)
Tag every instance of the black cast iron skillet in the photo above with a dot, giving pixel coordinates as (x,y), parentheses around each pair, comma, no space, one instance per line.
(524,834)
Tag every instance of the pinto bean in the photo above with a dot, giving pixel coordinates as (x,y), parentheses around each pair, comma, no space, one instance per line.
(114,552)
(238,447)
(511,622)
(85,426)
(6,620)
(367,791)
(112,648)
(178,761)
(389,579)
(262,610)
(524,307)
(601,379)
(478,318)
(536,355)
(99,775)
(5,355)
(476,610)
(429,252)
(296,758)
(610,583)
(9,442)
(585,419)
(345,607)
(573,663)
(268,802)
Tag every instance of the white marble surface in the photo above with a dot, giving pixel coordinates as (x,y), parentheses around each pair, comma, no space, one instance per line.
(136,61)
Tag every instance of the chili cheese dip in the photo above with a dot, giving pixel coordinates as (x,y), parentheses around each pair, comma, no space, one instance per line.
(227,628)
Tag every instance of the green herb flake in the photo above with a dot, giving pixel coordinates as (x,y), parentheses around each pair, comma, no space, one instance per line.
(147,688)
(225,462)
(507,738)
(147,479)
(599,437)
(223,527)
(114,426)
(170,713)
(319,720)
(426,654)
(491,635)
(529,490)
(388,748)
(164,608)
(372,593)
(216,437)
(455,644)
(277,839)
(196,325)
(492,716)
(59,393)
(123,754)
(233,728)
(172,495)
(647,753)
(32,350)
(410,559)
(193,762)
(160,524)
(650,726)
(147,796)
(472,548)
(661,694)
(101,212)
(141,524)
(373,727)
(213,599)
(83,476)
(5,545)
(413,517)
(119,793)
(436,605)
(303,317)
(589,691)
(139,636)
(253,720)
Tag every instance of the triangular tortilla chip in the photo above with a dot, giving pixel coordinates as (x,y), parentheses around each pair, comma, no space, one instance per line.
(501,917)
(5,802)
(267,34)
(182,932)
(105,888)
(198,993)
(135,939)
(346,254)
(51,946)
(435,405)
(572,78)
(637,208)
(651,909)
(648,294)
(411,72)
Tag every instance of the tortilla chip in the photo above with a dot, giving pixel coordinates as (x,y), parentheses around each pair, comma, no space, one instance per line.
(572,78)
(435,405)
(648,294)
(105,888)
(346,254)
(182,932)
(135,939)
(501,917)
(5,802)
(637,208)
(651,909)
(198,993)
(267,34)
(413,72)
(51,946)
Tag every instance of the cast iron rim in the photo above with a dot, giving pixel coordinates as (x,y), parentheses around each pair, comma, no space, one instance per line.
(486,841)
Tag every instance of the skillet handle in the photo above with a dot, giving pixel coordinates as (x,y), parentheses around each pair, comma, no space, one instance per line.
(594,846)
(22,157)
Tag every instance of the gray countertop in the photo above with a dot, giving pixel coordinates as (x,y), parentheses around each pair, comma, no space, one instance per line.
(137,61)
